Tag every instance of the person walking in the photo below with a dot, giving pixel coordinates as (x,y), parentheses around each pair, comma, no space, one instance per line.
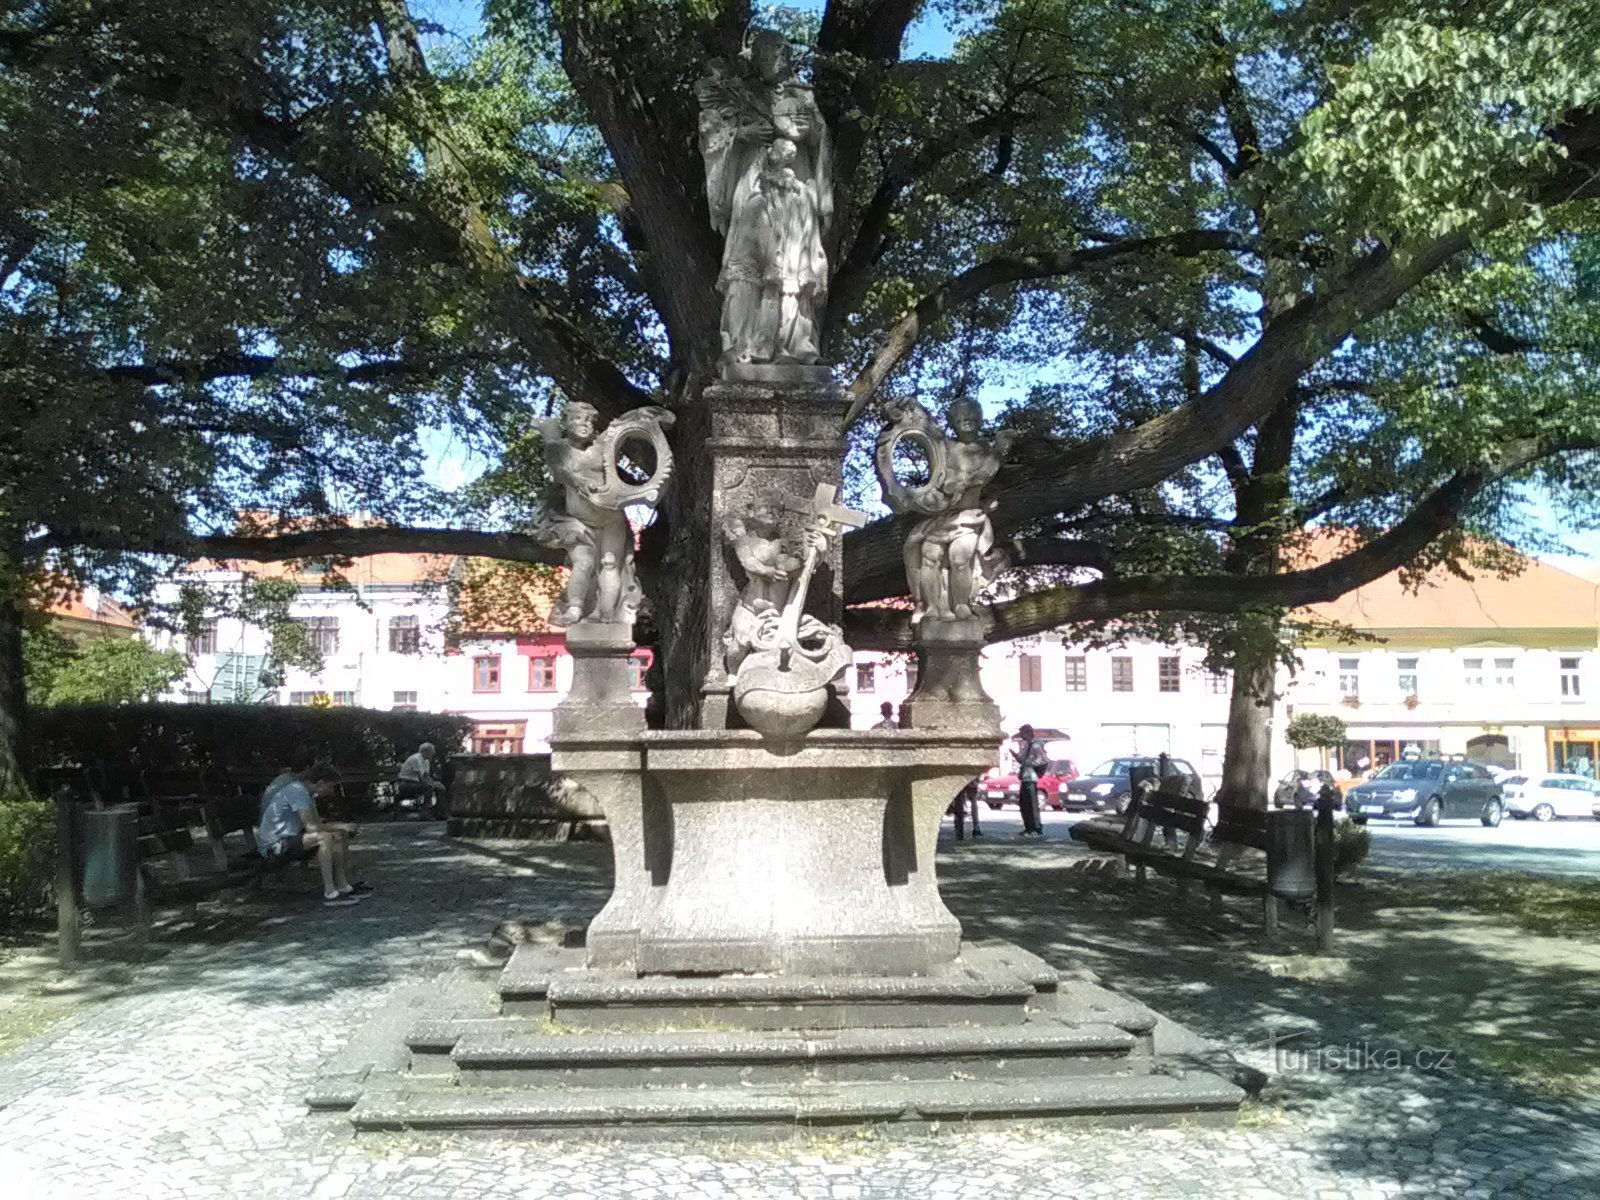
(1031,759)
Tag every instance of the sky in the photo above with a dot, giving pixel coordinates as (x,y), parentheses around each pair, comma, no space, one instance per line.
(448,463)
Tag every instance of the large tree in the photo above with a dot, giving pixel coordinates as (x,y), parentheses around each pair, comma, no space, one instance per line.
(1186,219)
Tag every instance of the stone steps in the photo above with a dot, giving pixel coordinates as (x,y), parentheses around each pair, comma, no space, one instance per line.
(790,1109)
(523,1054)
(986,987)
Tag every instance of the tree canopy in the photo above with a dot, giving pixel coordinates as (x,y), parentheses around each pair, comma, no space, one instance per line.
(1234,266)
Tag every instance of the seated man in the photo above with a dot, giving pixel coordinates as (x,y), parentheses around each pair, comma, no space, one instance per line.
(292,828)
(417,781)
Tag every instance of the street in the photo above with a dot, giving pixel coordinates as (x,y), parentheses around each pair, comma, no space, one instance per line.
(1549,848)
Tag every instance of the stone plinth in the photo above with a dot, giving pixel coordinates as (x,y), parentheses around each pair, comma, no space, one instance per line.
(601,699)
(764,436)
(949,695)
(742,854)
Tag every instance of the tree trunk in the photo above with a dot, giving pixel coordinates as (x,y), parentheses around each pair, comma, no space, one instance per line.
(678,549)
(13,689)
(1247,761)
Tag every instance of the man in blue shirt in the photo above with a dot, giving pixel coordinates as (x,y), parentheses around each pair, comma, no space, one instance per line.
(292,828)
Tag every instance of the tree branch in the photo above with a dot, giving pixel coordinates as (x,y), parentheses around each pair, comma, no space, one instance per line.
(905,333)
(1111,598)
(340,541)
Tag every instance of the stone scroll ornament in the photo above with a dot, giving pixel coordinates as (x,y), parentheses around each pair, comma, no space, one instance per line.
(769,181)
(950,554)
(592,526)
(781,658)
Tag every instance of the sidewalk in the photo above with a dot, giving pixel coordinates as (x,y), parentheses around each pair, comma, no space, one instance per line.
(184,1075)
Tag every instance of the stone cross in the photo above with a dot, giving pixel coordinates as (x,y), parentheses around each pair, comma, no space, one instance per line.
(830,515)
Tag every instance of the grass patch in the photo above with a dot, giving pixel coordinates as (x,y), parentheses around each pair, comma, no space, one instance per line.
(1540,904)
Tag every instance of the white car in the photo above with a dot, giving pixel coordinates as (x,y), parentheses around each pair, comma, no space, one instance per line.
(1546,797)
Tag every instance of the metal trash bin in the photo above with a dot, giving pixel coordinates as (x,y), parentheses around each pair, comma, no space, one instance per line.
(1291,857)
(110,854)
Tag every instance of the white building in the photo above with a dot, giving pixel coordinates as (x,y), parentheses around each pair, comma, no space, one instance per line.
(381,628)
(1503,670)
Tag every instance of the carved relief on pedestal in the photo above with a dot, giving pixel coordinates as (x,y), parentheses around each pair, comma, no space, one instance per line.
(781,659)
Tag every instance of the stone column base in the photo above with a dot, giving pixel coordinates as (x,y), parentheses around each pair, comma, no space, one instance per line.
(949,695)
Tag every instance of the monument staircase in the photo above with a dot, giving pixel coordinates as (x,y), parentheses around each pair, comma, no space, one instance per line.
(558,1049)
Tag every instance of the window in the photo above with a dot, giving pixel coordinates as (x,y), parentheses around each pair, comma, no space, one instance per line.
(404,702)
(205,637)
(542,673)
(866,678)
(405,636)
(1571,686)
(302,699)
(1406,675)
(638,664)
(197,697)
(344,699)
(499,739)
(1077,674)
(1168,673)
(1121,674)
(1472,672)
(1349,677)
(1505,674)
(321,632)
(486,673)
(1219,683)
(1031,673)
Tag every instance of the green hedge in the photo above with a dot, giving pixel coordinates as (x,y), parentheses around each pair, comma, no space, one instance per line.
(27,857)
(115,739)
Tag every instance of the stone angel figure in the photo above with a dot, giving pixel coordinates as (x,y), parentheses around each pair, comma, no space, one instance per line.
(950,555)
(769,181)
(591,524)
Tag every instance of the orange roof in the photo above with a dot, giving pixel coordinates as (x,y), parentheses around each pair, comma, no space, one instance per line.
(1540,596)
(98,610)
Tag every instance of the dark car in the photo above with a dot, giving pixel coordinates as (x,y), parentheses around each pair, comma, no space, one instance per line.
(1298,789)
(1427,791)
(1007,789)
(1107,786)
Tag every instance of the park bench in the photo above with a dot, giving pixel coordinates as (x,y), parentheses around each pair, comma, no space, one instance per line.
(1237,829)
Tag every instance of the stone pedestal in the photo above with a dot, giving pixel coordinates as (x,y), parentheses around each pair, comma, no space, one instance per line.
(768,436)
(816,858)
(949,695)
(595,757)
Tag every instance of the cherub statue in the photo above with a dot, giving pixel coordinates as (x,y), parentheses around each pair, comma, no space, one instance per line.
(769,181)
(592,526)
(771,566)
(950,556)
(782,659)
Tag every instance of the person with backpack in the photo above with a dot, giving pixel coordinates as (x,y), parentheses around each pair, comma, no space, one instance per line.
(1032,758)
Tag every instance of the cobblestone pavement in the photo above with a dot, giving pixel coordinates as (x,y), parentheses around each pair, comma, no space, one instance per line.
(185,1079)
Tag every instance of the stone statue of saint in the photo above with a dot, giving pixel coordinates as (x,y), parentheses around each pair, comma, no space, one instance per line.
(950,555)
(591,525)
(769,180)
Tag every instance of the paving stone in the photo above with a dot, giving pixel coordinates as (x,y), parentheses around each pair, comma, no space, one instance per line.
(191,1082)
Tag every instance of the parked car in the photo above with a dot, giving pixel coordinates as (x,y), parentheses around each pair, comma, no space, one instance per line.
(1427,791)
(1546,797)
(1298,789)
(1000,789)
(1107,786)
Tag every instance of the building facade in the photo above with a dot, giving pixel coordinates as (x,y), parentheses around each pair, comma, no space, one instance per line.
(387,640)
(1502,670)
